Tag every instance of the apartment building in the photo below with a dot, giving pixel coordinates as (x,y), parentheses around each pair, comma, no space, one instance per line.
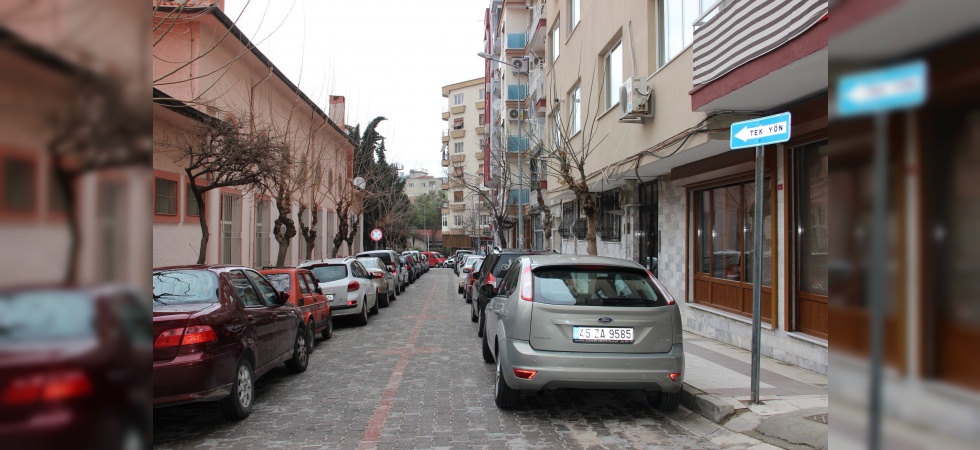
(235,79)
(419,182)
(465,220)
(644,93)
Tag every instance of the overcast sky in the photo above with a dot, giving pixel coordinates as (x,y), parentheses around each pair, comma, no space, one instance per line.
(387,57)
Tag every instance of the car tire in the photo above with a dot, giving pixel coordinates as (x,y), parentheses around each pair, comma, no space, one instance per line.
(503,395)
(382,301)
(459,289)
(482,320)
(310,335)
(473,317)
(664,401)
(238,405)
(301,355)
(374,309)
(391,295)
(327,332)
(362,319)
(487,355)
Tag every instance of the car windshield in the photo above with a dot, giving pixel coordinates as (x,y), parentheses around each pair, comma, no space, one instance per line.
(610,286)
(44,316)
(370,263)
(325,274)
(184,286)
(384,256)
(280,281)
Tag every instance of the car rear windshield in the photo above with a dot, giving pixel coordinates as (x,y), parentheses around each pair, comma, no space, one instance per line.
(184,286)
(595,287)
(326,274)
(503,263)
(44,316)
(385,256)
(370,263)
(280,281)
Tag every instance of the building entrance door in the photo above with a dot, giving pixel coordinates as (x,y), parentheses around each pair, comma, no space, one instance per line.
(648,235)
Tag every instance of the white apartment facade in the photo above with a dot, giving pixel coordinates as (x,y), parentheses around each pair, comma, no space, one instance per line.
(465,218)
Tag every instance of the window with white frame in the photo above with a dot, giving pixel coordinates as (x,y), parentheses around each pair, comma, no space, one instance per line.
(262,232)
(483,93)
(445,221)
(458,99)
(556,131)
(573,14)
(676,30)
(411,185)
(555,41)
(575,108)
(614,74)
(457,147)
(458,220)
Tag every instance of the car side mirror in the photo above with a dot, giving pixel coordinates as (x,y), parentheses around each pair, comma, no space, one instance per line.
(283,297)
(487,290)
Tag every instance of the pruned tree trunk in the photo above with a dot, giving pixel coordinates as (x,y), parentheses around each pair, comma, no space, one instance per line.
(587,202)
(308,232)
(284,229)
(66,180)
(547,220)
(202,252)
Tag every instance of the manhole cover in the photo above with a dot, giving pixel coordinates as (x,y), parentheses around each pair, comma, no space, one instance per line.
(822,418)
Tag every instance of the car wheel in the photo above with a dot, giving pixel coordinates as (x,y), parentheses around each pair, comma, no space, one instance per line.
(362,319)
(459,289)
(503,395)
(301,357)
(327,332)
(664,401)
(374,309)
(473,316)
(238,405)
(487,355)
(310,335)
(391,295)
(382,301)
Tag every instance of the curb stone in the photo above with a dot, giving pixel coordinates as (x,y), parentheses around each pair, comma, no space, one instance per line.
(706,405)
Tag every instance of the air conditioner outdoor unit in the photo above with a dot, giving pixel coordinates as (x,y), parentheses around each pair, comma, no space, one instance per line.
(516,114)
(518,64)
(635,99)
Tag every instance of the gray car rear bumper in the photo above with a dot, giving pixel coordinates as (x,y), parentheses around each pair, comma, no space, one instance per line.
(578,370)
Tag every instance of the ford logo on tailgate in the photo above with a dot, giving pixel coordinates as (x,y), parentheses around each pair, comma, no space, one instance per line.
(604,320)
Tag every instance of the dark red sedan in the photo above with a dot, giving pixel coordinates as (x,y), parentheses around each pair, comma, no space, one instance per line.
(217,329)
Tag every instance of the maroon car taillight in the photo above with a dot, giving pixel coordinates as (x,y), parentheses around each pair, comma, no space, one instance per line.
(527,284)
(196,334)
(47,387)
(353,286)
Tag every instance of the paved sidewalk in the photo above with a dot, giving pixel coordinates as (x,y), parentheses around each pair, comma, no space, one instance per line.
(793,409)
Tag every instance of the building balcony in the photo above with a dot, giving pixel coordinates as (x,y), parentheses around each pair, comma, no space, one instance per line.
(478,155)
(479,130)
(445,163)
(457,183)
(480,105)
(457,133)
(457,206)
(445,113)
(445,136)
(516,92)
(517,143)
(457,158)
(538,28)
(445,211)
(444,186)
(457,109)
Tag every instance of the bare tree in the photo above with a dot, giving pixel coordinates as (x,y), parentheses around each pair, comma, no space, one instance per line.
(220,154)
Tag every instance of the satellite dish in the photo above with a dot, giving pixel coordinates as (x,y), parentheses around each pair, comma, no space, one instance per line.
(359,182)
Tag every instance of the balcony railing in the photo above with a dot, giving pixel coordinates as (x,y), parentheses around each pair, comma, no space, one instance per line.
(516,41)
(537,82)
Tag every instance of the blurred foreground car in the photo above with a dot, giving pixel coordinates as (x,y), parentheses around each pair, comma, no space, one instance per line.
(583,323)
(73,370)
(216,330)
(305,294)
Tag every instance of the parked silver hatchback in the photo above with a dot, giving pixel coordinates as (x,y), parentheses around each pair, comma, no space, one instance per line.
(582,322)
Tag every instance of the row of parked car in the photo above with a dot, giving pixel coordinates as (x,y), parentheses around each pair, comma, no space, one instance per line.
(218,328)
(551,321)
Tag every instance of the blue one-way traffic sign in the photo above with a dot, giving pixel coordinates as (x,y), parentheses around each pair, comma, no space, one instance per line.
(761,131)
(878,91)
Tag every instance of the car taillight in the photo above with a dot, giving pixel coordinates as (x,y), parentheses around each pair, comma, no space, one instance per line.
(670,300)
(675,375)
(492,280)
(394,269)
(525,374)
(527,284)
(50,387)
(353,286)
(197,334)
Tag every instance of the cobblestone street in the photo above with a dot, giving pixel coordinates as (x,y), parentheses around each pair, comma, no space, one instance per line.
(414,378)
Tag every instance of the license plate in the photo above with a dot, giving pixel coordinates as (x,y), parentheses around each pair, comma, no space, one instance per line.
(602,334)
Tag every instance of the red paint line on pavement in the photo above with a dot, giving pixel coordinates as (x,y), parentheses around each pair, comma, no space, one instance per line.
(373,432)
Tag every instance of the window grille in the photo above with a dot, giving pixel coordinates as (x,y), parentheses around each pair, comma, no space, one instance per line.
(567,220)
(608,224)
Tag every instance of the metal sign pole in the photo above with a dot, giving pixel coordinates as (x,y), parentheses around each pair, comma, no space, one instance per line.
(757,275)
(876,283)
